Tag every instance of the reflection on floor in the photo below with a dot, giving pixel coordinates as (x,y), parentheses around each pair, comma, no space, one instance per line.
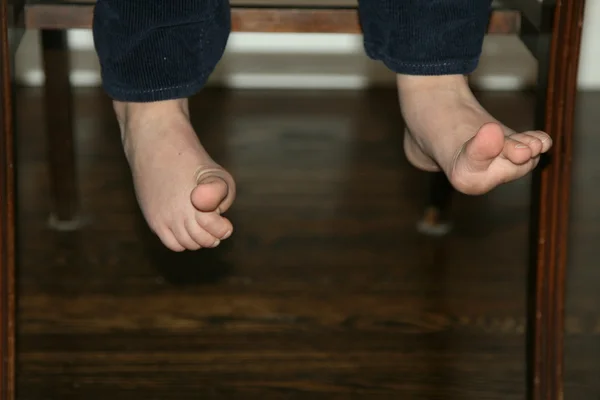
(325,290)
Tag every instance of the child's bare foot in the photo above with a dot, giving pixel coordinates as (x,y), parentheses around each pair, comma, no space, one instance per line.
(448,129)
(181,190)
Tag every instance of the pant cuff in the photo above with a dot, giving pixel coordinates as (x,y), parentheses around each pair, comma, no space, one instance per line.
(442,67)
(157,94)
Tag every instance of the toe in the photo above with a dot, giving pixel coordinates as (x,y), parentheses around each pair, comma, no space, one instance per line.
(544,138)
(167,237)
(218,226)
(215,190)
(484,147)
(516,151)
(532,141)
(183,237)
(199,235)
(208,195)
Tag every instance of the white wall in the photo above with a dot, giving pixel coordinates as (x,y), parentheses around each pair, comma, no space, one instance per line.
(326,61)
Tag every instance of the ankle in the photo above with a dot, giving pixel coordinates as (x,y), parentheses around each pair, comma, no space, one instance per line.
(411,83)
(128,112)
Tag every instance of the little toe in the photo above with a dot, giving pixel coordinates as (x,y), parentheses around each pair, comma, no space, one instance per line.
(183,237)
(167,237)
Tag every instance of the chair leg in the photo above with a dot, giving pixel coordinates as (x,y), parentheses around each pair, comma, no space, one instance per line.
(435,221)
(59,131)
(550,206)
(8,205)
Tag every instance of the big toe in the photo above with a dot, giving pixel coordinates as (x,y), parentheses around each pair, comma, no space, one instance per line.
(209,194)
(479,152)
(215,190)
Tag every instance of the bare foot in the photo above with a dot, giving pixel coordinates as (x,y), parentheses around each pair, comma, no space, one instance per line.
(181,190)
(448,129)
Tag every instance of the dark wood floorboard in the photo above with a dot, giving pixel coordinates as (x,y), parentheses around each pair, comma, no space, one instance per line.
(325,290)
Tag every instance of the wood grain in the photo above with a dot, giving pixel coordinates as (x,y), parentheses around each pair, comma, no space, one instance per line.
(247,19)
(7,207)
(551,205)
(324,291)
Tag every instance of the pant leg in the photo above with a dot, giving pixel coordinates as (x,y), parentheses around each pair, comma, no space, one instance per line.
(425,37)
(152,50)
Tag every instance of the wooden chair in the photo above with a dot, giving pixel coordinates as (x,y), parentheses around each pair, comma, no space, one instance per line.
(551,30)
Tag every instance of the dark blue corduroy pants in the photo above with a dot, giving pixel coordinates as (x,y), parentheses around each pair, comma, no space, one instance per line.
(153,50)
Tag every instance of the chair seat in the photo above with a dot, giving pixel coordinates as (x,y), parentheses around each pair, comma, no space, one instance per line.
(324,16)
(295,3)
(538,13)
(497,4)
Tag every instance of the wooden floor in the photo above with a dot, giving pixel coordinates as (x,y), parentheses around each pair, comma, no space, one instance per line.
(325,290)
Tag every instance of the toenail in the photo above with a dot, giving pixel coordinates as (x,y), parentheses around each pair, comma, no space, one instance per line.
(216,243)
(521,146)
(225,236)
(545,136)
